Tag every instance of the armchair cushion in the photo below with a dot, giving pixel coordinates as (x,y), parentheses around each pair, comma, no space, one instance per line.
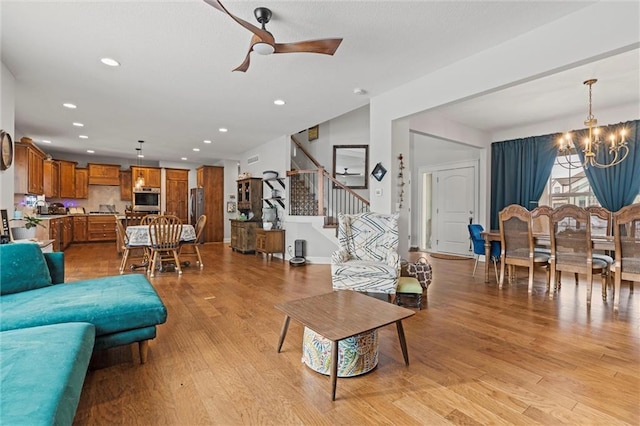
(16,275)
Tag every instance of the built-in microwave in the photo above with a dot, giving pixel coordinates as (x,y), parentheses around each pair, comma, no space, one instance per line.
(146,199)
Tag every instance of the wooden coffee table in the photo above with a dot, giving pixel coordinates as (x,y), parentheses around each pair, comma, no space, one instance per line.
(342,314)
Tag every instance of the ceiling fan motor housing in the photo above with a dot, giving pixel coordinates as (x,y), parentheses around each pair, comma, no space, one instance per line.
(263,15)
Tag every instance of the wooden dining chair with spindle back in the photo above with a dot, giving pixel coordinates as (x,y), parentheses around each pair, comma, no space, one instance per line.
(200,224)
(626,235)
(164,233)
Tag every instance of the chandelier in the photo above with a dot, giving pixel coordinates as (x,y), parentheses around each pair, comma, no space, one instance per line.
(591,144)
(140,179)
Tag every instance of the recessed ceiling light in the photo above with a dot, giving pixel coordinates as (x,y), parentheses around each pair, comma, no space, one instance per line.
(110,62)
(140,155)
(184,158)
(223,130)
(207,141)
(78,124)
(359,91)
(90,151)
(279,102)
(196,149)
(70,106)
(83,137)
(45,141)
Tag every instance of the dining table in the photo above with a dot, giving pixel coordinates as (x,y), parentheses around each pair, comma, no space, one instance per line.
(599,242)
(138,235)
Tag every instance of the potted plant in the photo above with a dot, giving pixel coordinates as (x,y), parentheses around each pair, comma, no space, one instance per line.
(28,231)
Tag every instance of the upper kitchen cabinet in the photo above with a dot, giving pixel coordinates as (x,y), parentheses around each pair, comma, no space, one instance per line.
(104,174)
(51,178)
(125,185)
(151,175)
(67,179)
(28,163)
(177,193)
(82,183)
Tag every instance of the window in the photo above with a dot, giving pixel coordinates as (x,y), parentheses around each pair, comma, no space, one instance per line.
(569,186)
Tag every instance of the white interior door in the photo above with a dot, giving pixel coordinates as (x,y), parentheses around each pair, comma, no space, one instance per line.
(455,206)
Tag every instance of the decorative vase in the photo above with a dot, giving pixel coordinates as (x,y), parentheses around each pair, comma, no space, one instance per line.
(23,233)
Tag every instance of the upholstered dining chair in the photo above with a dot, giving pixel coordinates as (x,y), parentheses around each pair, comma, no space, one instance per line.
(601,226)
(477,243)
(571,248)
(164,233)
(541,226)
(518,249)
(367,259)
(626,234)
(200,224)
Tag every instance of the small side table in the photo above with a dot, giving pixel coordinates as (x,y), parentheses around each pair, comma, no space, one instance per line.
(270,241)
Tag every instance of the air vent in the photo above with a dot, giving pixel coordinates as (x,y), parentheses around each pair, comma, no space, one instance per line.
(253,160)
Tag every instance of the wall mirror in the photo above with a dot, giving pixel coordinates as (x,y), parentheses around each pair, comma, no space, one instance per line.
(351,165)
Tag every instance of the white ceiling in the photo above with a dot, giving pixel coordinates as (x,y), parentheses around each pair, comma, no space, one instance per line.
(175,87)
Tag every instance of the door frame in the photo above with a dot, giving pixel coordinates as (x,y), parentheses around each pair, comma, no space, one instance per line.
(475,164)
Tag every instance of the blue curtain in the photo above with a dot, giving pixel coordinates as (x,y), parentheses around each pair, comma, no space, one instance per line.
(520,169)
(616,186)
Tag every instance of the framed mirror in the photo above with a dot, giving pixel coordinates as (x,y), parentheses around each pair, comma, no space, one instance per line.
(351,165)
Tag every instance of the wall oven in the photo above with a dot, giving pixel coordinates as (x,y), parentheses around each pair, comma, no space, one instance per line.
(146,200)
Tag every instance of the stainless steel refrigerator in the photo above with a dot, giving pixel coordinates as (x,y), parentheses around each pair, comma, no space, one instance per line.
(196,207)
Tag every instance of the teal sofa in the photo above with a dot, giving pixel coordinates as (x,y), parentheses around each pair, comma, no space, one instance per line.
(116,310)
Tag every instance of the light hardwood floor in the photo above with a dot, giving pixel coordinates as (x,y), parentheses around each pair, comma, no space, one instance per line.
(478,355)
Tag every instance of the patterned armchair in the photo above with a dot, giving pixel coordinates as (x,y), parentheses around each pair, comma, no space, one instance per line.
(367,259)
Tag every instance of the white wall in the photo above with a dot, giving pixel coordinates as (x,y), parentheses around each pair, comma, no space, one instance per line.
(556,46)
(7,123)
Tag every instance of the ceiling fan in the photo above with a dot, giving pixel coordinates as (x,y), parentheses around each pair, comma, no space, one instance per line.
(264,43)
(346,173)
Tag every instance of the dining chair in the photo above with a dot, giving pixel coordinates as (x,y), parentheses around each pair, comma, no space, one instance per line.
(571,248)
(516,238)
(477,242)
(132,218)
(164,233)
(601,226)
(126,248)
(146,220)
(200,224)
(626,235)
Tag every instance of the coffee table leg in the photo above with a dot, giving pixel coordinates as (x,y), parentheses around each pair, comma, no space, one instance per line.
(334,368)
(283,333)
(403,342)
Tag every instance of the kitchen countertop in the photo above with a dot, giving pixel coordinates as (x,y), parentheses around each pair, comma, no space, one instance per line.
(57,216)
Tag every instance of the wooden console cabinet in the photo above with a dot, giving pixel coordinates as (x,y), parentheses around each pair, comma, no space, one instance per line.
(243,235)
(270,241)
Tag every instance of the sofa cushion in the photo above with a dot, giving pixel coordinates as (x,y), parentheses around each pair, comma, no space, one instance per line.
(22,268)
(43,369)
(113,304)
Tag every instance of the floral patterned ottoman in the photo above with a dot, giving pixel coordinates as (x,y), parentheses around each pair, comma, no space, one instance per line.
(356,355)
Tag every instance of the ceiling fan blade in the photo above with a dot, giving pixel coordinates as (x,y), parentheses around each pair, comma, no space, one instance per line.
(327,46)
(263,34)
(244,66)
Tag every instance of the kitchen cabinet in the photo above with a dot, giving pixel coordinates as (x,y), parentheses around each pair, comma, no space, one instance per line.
(82,183)
(126,193)
(249,193)
(28,163)
(211,179)
(270,241)
(177,193)
(101,228)
(152,176)
(243,235)
(104,174)
(67,178)
(51,178)
(80,230)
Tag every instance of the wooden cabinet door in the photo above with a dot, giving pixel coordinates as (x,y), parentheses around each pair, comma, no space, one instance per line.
(153,178)
(54,233)
(82,183)
(29,173)
(104,174)
(177,193)
(35,174)
(67,179)
(51,178)
(126,193)
(79,229)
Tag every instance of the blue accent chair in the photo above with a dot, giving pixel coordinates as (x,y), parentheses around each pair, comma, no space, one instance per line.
(475,231)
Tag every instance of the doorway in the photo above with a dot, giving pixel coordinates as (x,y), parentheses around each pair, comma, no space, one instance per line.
(449,202)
